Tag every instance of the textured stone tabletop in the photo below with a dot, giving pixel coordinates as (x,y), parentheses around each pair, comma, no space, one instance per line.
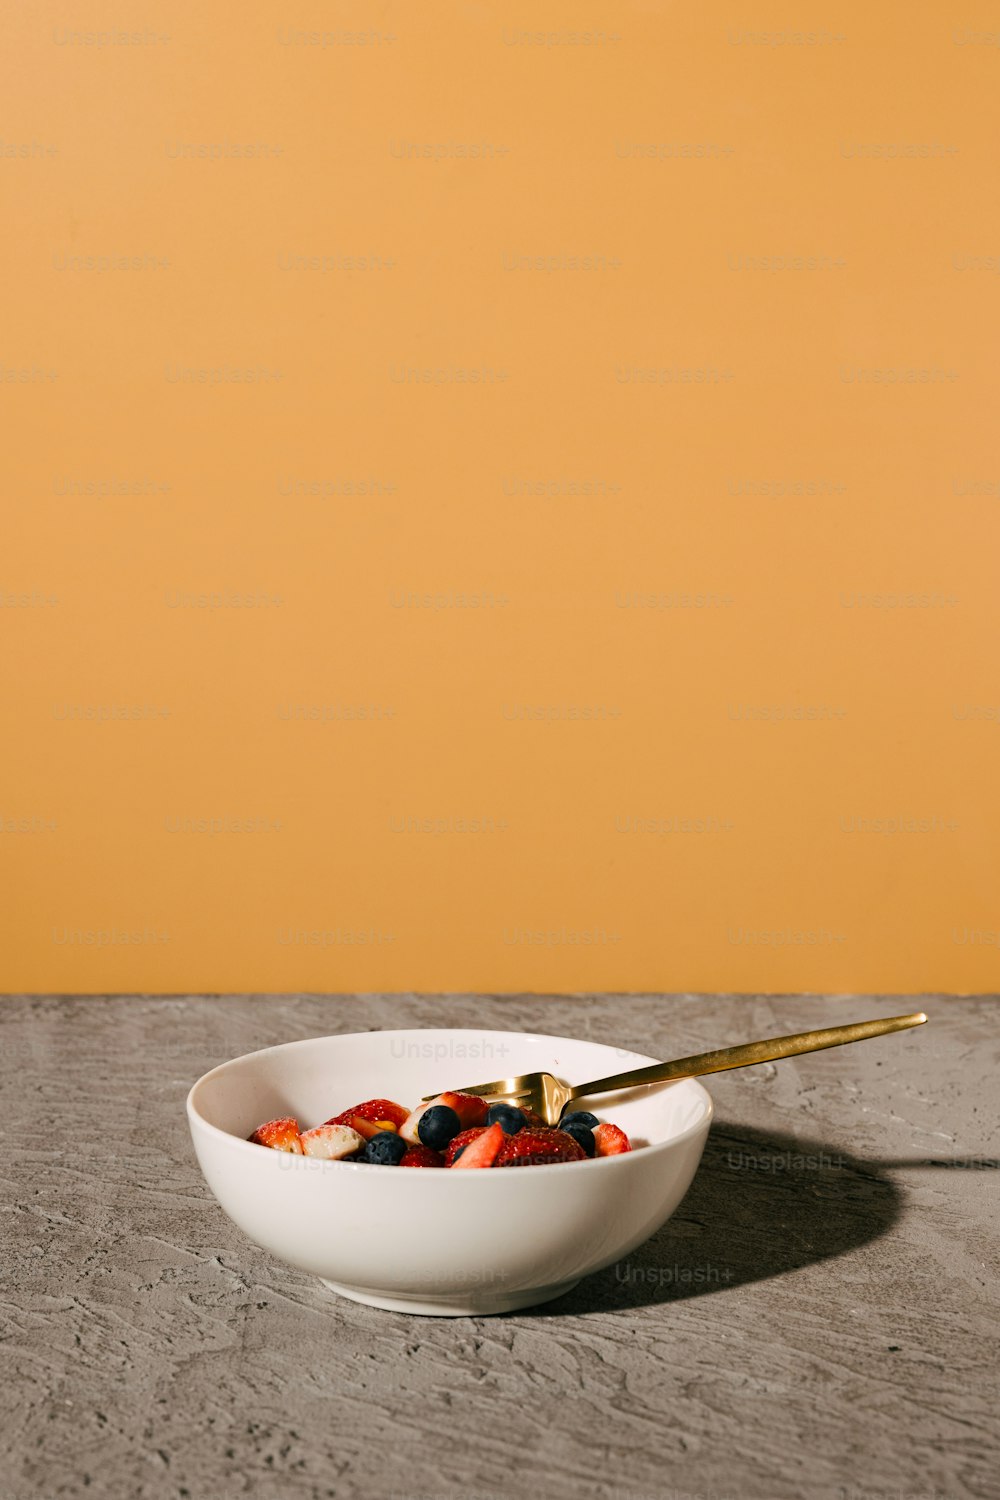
(818,1319)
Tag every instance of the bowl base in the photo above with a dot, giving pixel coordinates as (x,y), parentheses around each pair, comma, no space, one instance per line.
(466,1304)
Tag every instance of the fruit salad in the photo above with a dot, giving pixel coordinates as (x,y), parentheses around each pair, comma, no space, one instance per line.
(457,1131)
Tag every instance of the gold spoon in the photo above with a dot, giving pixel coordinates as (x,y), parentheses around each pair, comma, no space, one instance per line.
(548,1097)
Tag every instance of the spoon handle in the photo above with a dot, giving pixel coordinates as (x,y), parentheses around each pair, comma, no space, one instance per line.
(768,1050)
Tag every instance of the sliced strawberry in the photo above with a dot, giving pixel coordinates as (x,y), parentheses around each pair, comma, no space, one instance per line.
(537,1148)
(462,1139)
(331,1142)
(422,1156)
(366,1129)
(408,1129)
(280,1135)
(382,1111)
(471,1110)
(610,1140)
(483,1151)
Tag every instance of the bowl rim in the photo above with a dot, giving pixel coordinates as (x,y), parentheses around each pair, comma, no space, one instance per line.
(643,1153)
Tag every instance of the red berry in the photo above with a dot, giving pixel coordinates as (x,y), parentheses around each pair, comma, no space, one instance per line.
(331,1142)
(462,1139)
(537,1148)
(366,1129)
(422,1156)
(280,1135)
(482,1152)
(374,1110)
(610,1140)
(471,1110)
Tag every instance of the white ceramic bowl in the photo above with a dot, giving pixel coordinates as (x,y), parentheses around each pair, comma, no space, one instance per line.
(432,1241)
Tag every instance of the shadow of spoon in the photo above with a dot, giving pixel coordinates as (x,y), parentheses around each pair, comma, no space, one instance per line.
(762,1204)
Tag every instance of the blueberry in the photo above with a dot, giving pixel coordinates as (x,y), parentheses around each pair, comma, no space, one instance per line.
(385,1149)
(511,1119)
(438,1125)
(582,1134)
(458,1154)
(579,1117)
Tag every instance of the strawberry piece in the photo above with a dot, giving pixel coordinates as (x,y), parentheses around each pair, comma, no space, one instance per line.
(422,1156)
(538,1148)
(366,1129)
(610,1140)
(483,1151)
(462,1139)
(409,1127)
(382,1111)
(331,1142)
(471,1110)
(280,1135)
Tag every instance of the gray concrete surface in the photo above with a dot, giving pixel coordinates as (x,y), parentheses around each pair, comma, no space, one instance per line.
(819,1319)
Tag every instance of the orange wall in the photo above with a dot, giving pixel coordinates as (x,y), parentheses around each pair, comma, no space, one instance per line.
(682,681)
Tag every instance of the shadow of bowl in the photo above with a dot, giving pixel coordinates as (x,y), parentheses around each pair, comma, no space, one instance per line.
(761,1204)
